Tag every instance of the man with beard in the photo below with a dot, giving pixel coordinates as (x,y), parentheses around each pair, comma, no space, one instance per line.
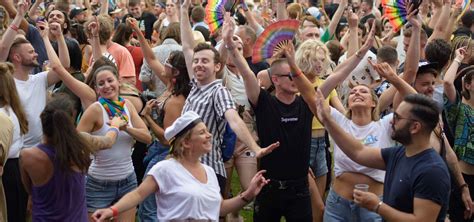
(32,90)
(417,182)
(145,19)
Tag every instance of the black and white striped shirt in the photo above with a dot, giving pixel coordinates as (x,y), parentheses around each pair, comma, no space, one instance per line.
(211,102)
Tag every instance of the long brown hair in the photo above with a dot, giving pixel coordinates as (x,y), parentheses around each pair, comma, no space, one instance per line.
(9,95)
(60,132)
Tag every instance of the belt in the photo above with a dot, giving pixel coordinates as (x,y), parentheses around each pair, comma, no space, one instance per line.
(285,184)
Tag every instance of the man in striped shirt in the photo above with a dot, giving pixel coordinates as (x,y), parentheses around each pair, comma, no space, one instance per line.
(211,100)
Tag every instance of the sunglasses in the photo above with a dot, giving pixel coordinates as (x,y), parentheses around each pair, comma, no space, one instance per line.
(287,75)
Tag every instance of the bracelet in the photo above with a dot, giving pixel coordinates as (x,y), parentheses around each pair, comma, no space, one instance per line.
(244,199)
(376,208)
(115,211)
(113,128)
(463,185)
(296,74)
(457,60)
(14,27)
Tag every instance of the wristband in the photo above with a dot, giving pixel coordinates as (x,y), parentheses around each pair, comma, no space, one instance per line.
(463,185)
(459,62)
(14,27)
(113,128)
(244,199)
(115,211)
(296,74)
(376,209)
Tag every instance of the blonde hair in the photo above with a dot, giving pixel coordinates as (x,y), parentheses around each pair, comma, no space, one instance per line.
(177,150)
(306,56)
(6,17)
(375,114)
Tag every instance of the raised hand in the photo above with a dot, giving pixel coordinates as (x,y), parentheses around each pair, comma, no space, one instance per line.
(370,40)
(460,53)
(55,29)
(289,52)
(353,19)
(133,24)
(228,29)
(186,3)
(93,27)
(413,17)
(22,8)
(384,70)
(43,28)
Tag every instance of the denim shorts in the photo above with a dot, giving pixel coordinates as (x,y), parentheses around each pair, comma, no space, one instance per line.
(339,209)
(317,156)
(104,193)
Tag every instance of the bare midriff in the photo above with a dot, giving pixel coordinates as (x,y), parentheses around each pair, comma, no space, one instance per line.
(344,184)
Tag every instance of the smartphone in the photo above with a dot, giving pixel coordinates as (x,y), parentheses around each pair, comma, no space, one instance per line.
(40,19)
(416,3)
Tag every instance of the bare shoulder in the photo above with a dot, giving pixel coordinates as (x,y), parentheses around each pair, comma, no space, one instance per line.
(32,156)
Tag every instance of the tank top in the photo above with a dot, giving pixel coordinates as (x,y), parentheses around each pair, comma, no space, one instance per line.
(115,163)
(62,198)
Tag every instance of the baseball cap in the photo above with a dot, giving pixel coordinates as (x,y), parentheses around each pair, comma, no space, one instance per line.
(76,11)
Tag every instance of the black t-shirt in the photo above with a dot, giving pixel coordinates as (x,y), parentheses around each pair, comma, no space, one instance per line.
(364,19)
(424,175)
(256,67)
(145,23)
(289,124)
(75,53)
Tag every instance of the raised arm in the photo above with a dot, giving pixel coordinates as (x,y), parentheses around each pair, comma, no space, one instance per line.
(450,75)
(52,56)
(250,17)
(9,35)
(353,45)
(441,27)
(250,81)
(154,64)
(344,69)
(187,39)
(337,17)
(33,12)
(56,32)
(93,32)
(104,7)
(281,12)
(10,8)
(413,51)
(353,148)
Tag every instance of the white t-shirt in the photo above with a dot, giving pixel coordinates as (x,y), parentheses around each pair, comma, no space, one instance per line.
(236,86)
(181,196)
(17,142)
(33,95)
(375,134)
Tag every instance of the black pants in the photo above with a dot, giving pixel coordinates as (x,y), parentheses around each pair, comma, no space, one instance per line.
(15,194)
(289,199)
(456,206)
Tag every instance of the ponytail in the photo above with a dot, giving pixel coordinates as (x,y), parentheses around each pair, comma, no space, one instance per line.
(60,132)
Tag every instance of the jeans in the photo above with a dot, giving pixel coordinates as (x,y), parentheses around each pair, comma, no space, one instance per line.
(340,209)
(156,153)
(317,156)
(103,193)
(290,199)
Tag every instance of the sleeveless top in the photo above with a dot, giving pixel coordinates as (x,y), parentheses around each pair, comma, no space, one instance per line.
(114,163)
(62,198)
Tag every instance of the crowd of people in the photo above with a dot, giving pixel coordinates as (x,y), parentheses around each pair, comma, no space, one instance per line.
(141,110)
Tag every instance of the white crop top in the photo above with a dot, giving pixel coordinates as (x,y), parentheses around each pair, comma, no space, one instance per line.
(114,163)
(375,134)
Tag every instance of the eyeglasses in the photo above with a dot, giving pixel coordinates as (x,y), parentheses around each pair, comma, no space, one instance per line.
(397,117)
(287,75)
